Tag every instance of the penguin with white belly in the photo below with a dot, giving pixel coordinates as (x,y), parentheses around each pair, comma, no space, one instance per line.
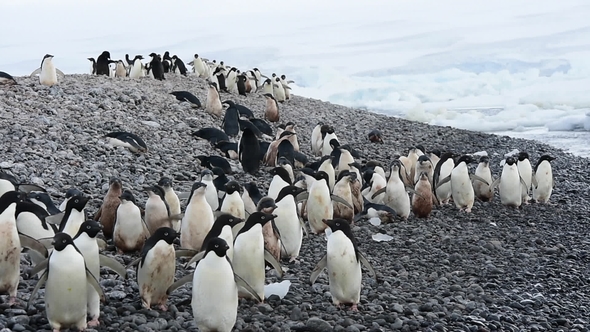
(482,190)
(510,184)
(171,199)
(232,202)
(198,218)
(74,215)
(462,190)
(47,72)
(130,230)
(288,223)
(343,260)
(526,173)
(543,181)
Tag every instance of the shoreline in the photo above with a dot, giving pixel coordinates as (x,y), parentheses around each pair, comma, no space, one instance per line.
(453,270)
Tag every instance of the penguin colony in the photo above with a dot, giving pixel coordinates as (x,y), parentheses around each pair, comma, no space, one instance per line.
(228,228)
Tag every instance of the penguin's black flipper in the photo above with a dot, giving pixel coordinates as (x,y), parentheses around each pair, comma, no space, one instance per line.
(186,279)
(273,261)
(368,265)
(31,243)
(39,284)
(318,269)
(242,283)
(92,281)
(113,264)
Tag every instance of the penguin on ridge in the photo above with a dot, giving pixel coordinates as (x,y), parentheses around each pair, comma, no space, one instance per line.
(157,69)
(48,72)
(92,66)
(66,278)
(278,90)
(136,70)
(102,64)
(343,261)
(543,181)
(271,111)
(286,86)
(213,103)
(120,70)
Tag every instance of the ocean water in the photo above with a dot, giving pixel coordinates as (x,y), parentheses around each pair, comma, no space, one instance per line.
(513,67)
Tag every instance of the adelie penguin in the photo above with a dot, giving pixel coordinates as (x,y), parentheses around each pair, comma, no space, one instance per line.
(157,210)
(271,111)
(526,173)
(443,169)
(102,63)
(511,185)
(461,188)
(128,140)
(230,123)
(248,152)
(287,221)
(198,218)
(130,230)
(136,67)
(343,260)
(6,79)
(213,103)
(107,213)
(422,198)
(92,66)
(47,72)
(215,161)
(156,66)
(188,97)
(178,65)
(483,191)
(66,278)
(543,181)
(74,215)
(375,136)
(170,196)
(232,202)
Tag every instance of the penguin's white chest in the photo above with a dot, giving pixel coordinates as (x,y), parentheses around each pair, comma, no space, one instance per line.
(344,270)
(48,74)
(233,205)
(66,287)
(510,186)
(74,222)
(196,223)
(215,294)
(29,224)
(287,222)
(129,228)
(156,273)
(9,252)
(462,189)
(319,205)
(397,197)
(249,258)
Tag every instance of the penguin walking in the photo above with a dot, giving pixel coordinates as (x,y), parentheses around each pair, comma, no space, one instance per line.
(266,87)
(526,173)
(213,103)
(422,198)
(286,86)
(156,269)
(48,72)
(271,111)
(231,80)
(130,230)
(171,199)
(107,213)
(462,190)
(482,190)
(343,260)
(511,185)
(249,254)
(198,218)
(66,280)
(157,69)
(443,169)
(199,67)
(278,90)
(85,242)
(543,181)
(287,221)
(136,67)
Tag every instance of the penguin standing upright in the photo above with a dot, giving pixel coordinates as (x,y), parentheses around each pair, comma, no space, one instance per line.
(543,181)
(278,90)
(248,151)
(107,213)
(198,218)
(319,203)
(10,245)
(47,72)
(422,198)
(342,189)
(343,260)
(210,191)
(74,215)
(178,65)
(443,169)
(482,190)
(271,111)
(526,173)
(156,269)
(511,184)
(157,69)
(67,280)
(462,190)
(213,103)
(396,196)
(130,230)
(92,66)
(102,63)
(136,67)
(288,222)
(232,202)
(120,70)
(249,254)
(171,199)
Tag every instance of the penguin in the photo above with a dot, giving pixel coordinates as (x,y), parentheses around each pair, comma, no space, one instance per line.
(241,85)
(178,65)
(74,215)
(396,196)
(187,96)
(326,166)
(278,90)
(422,198)
(7,79)
(242,110)
(199,67)
(222,228)
(136,67)
(248,152)
(92,66)
(30,221)
(171,199)
(270,158)
(542,180)
(342,158)
(287,221)
(482,190)
(69,194)
(319,203)
(461,188)
(526,173)
(10,246)
(85,242)
(230,149)
(266,87)
(210,189)
(410,161)
(511,184)
(47,72)
(286,87)
(280,179)
(434,157)
(120,70)
(128,140)
(198,218)
(220,179)
(375,184)
(167,63)
(251,196)
(213,135)
(371,210)
(343,260)
(130,230)
(66,280)
(157,267)
(102,63)
(443,169)
(271,111)
(232,202)
(356,190)
(270,233)
(231,80)
(215,161)
(244,123)
(375,136)
(284,163)
(317,139)
(249,254)
(213,103)
(157,211)
(107,213)
(250,82)
(156,67)
(423,164)
(343,190)
(329,141)
(43,200)
(230,122)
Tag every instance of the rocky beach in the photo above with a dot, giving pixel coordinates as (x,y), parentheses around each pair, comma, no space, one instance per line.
(495,269)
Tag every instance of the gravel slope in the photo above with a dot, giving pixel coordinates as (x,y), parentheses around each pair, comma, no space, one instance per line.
(496,269)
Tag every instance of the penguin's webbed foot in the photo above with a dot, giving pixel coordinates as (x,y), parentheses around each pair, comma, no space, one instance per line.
(293,260)
(354,307)
(94,322)
(12,301)
(163,307)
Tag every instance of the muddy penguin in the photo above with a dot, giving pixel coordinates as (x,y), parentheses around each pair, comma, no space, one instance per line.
(157,211)
(422,198)
(272,240)
(213,103)
(107,213)
(271,111)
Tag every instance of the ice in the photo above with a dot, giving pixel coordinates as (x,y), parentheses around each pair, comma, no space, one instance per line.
(279,289)
(481,153)
(380,237)
(375,221)
(515,67)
